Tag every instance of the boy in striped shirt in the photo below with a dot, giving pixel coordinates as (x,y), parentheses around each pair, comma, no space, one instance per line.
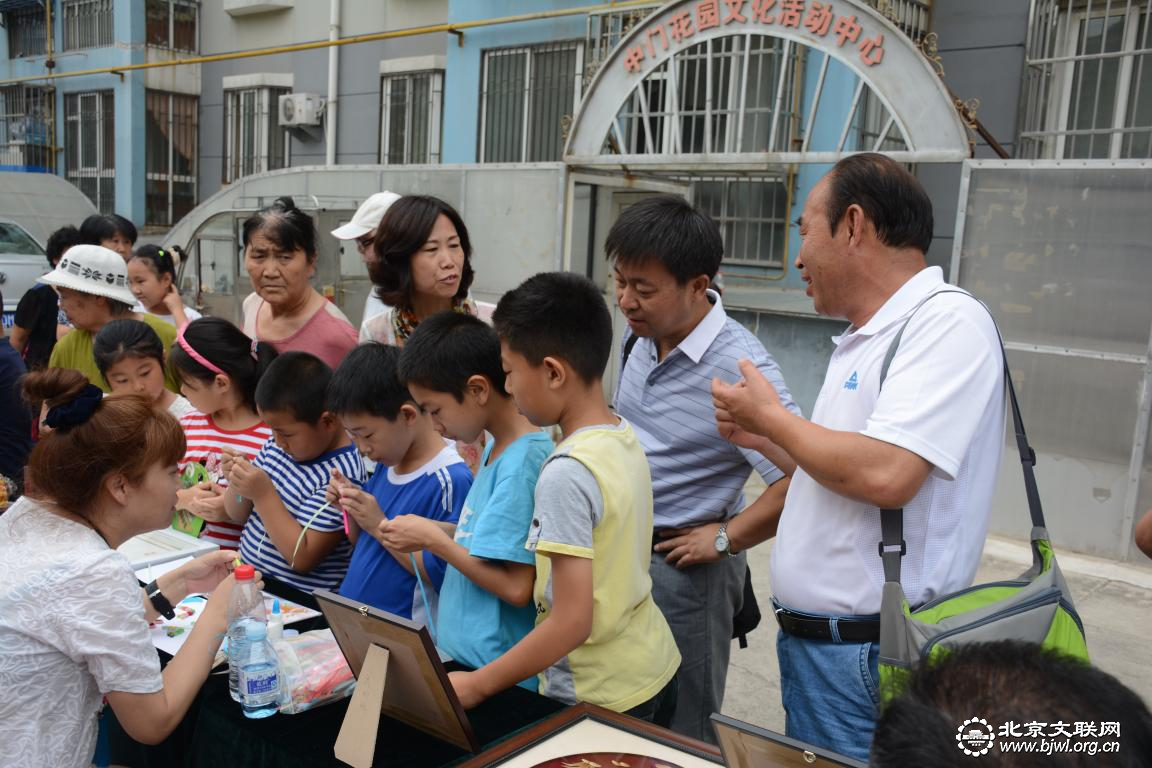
(290,532)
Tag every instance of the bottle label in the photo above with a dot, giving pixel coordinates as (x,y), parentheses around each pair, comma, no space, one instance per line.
(261,683)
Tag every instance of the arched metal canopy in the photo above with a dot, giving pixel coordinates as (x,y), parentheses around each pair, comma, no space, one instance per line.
(841,39)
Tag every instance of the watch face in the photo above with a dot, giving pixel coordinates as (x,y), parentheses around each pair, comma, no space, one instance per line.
(721,540)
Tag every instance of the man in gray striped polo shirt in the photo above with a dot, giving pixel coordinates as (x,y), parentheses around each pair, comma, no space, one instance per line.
(664,254)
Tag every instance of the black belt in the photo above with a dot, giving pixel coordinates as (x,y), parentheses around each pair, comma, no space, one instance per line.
(821,627)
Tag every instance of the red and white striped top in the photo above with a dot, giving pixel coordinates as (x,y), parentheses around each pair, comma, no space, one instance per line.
(205,441)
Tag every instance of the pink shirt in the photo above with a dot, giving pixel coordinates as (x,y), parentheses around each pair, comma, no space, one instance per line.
(327,334)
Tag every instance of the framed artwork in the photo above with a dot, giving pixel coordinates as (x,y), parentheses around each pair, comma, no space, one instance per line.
(587,736)
(397,665)
(749,746)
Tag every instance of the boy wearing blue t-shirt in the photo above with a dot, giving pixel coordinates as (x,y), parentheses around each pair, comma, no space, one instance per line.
(289,532)
(419,476)
(451,365)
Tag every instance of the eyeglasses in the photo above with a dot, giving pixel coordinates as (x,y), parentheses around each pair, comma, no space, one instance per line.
(365,243)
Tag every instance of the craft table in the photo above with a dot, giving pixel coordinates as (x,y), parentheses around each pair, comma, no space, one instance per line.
(215,731)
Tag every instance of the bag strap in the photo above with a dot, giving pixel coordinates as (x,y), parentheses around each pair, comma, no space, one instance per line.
(892,544)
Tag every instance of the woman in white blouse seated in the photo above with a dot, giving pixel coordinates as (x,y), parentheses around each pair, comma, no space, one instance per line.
(73,618)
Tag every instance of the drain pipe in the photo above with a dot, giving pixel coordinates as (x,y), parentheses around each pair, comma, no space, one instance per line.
(333,78)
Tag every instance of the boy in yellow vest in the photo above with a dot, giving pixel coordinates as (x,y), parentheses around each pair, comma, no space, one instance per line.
(599,637)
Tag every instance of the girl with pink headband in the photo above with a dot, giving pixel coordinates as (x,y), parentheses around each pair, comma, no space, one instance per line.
(219,368)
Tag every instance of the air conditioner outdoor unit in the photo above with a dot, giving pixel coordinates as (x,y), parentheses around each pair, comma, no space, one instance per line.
(297,109)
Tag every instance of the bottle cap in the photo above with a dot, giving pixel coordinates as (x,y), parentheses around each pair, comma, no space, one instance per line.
(276,606)
(244,573)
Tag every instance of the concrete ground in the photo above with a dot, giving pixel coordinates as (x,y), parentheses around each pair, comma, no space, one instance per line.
(1114,601)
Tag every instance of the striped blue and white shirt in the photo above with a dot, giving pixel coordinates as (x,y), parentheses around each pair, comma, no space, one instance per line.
(302,487)
(697,476)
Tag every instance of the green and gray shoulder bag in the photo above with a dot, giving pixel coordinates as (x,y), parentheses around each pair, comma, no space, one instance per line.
(1036,608)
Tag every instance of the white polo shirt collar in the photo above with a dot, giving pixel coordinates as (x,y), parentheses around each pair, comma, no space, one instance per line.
(899,304)
(696,343)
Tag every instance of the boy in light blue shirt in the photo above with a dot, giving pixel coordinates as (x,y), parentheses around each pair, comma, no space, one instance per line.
(451,365)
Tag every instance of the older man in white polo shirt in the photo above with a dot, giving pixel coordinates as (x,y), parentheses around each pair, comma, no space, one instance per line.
(664,254)
(929,441)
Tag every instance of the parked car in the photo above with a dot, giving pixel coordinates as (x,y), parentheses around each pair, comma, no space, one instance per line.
(32,207)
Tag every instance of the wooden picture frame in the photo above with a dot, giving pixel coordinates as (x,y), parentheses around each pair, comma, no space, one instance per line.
(586,728)
(750,746)
(399,673)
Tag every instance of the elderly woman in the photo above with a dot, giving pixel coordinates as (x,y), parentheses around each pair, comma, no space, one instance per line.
(93,285)
(285,310)
(73,619)
(422,266)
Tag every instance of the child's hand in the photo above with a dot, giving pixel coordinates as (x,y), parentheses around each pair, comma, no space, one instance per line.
(248,480)
(211,508)
(335,486)
(361,506)
(409,533)
(228,459)
(172,300)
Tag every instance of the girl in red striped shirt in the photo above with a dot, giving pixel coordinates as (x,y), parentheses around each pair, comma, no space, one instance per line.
(219,367)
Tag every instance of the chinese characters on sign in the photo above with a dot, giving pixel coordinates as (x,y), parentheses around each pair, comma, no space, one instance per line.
(815,17)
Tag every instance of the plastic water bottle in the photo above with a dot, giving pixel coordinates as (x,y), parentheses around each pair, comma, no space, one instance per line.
(245,606)
(259,673)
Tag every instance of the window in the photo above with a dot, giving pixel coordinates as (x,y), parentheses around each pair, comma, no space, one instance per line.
(752,214)
(170,157)
(27,32)
(528,96)
(410,117)
(87,24)
(90,146)
(1088,81)
(27,129)
(171,24)
(253,139)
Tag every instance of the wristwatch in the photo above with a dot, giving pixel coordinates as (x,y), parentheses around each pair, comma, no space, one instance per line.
(723,546)
(159,602)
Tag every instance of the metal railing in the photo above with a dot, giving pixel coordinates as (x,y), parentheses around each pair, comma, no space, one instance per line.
(528,95)
(90,146)
(1087,85)
(410,110)
(913,17)
(87,23)
(170,155)
(172,24)
(27,129)
(27,32)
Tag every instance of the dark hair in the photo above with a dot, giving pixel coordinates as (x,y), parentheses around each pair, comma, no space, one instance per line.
(285,225)
(158,260)
(227,347)
(891,197)
(557,314)
(105,226)
(295,383)
(60,241)
(402,232)
(1001,682)
(669,230)
(126,434)
(125,338)
(448,348)
(367,382)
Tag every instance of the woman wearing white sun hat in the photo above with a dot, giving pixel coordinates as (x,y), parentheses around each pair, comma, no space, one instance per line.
(93,285)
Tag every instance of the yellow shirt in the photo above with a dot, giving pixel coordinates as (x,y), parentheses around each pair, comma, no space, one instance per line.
(75,351)
(630,654)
